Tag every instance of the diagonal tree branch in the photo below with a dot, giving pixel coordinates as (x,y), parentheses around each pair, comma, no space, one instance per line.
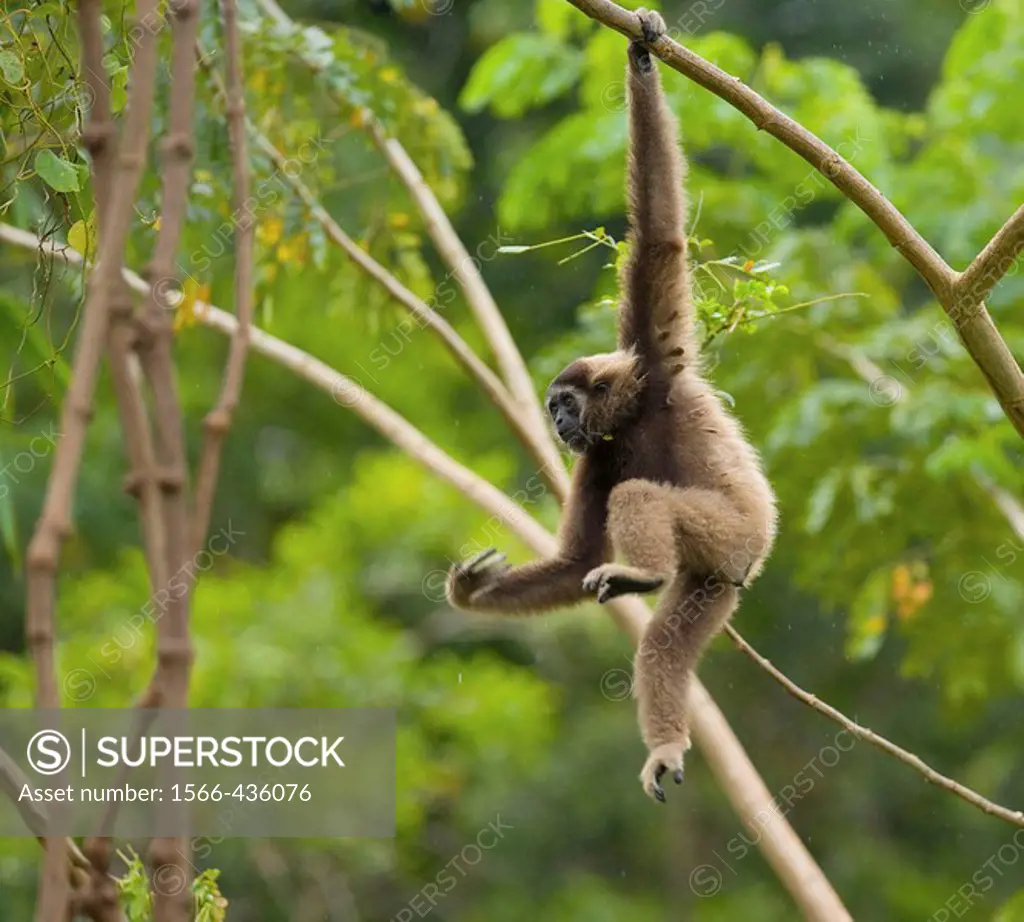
(977,332)
(547,458)
(533,437)
(452,250)
(1016,817)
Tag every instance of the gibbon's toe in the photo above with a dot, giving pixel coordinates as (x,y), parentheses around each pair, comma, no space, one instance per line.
(662,759)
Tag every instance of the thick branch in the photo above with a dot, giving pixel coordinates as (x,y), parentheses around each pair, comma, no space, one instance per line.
(977,332)
(218,420)
(1015,817)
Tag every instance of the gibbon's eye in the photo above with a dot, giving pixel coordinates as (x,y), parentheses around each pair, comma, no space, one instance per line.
(602,387)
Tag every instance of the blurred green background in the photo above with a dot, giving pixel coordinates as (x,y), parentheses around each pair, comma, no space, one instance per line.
(896,591)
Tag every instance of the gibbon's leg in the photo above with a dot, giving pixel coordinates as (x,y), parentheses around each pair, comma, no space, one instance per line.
(689,615)
(661,529)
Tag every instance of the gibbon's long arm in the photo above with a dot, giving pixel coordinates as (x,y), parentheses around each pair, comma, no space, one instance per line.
(544,584)
(656,314)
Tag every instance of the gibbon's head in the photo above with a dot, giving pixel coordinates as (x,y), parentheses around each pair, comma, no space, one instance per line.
(593,397)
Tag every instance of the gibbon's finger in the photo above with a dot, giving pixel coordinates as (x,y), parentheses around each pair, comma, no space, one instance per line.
(478,559)
(678,776)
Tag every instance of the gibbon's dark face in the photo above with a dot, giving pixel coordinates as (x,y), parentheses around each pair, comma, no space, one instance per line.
(592,397)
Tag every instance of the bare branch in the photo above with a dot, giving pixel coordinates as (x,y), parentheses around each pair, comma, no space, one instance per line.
(467,273)
(1016,817)
(977,332)
(218,421)
(465,270)
(549,461)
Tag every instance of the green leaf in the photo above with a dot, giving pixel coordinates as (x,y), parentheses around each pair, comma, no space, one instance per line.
(12,68)
(57,173)
(521,72)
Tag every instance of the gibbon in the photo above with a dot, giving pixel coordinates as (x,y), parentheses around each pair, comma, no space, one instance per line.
(664,477)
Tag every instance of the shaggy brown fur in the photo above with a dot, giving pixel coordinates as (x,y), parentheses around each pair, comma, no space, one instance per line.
(665,477)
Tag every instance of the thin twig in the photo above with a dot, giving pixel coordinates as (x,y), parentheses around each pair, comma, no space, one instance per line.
(1016,817)
(977,332)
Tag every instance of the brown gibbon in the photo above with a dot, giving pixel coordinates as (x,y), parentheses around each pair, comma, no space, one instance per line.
(664,477)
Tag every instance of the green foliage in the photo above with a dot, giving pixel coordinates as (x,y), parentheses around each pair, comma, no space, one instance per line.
(137,901)
(520,72)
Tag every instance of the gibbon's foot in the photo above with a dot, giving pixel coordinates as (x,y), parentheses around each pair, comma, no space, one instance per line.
(653,27)
(466,578)
(611,580)
(668,757)
(652,24)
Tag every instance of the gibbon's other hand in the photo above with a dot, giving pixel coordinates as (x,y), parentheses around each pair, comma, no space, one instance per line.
(653,27)
(668,757)
(475,574)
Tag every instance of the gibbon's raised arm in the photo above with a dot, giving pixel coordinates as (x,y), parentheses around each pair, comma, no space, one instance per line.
(483,584)
(656,315)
